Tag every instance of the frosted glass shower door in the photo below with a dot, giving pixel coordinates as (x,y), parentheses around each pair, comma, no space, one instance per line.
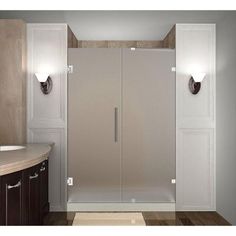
(148,125)
(93,125)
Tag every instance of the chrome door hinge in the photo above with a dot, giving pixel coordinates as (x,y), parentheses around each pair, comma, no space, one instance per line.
(70,69)
(173,69)
(173,181)
(70,181)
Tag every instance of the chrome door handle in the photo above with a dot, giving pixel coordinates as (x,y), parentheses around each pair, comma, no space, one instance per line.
(33,176)
(14,186)
(116,125)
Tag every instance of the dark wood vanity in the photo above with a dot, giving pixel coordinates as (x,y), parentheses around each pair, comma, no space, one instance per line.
(24,196)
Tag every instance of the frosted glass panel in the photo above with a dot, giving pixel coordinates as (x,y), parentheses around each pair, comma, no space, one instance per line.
(148,126)
(121,125)
(93,123)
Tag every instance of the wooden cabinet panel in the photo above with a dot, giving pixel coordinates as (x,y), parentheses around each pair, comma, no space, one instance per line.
(32,194)
(11,199)
(44,205)
(24,196)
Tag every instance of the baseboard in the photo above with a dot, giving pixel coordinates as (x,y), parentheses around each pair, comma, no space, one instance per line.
(56,208)
(195,208)
(120,206)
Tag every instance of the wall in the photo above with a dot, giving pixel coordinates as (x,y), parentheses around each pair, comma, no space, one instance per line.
(49,130)
(117,25)
(47,114)
(12,82)
(226,117)
(195,118)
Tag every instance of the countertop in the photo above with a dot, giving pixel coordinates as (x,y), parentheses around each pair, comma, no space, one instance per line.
(33,154)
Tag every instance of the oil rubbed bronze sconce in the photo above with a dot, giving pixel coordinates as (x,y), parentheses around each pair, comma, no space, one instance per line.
(195,82)
(45,82)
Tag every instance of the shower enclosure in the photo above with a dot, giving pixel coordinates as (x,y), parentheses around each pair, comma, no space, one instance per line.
(121,125)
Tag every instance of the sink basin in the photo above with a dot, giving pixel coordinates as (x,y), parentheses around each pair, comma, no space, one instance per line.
(10,148)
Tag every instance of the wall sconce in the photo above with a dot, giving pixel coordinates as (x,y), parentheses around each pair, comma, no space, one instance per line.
(195,82)
(45,82)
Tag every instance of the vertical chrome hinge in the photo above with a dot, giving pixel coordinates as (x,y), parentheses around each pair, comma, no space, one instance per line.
(70,69)
(173,181)
(70,181)
(173,69)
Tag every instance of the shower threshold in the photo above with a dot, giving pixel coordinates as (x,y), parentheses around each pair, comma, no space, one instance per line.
(121,206)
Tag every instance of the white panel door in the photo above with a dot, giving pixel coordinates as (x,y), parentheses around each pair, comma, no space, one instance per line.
(93,125)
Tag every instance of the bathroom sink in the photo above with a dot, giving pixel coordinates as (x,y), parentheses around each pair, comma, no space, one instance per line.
(10,148)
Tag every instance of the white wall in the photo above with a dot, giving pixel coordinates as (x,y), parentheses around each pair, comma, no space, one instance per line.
(195,118)
(46,114)
(117,25)
(226,118)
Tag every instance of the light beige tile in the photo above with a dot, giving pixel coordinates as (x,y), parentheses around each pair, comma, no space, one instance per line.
(12,81)
(169,40)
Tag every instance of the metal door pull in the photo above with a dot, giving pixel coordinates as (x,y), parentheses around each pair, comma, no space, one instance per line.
(34,176)
(14,186)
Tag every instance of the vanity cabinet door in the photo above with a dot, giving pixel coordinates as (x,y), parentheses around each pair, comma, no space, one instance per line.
(32,195)
(11,199)
(24,196)
(44,205)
